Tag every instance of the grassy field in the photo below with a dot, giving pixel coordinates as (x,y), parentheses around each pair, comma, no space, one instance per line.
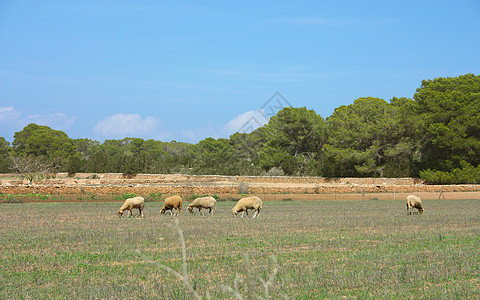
(295,249)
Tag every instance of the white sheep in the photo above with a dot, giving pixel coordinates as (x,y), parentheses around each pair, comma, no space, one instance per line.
(203,202)
(131,203)
(244,204)
(171,203)
(414,202)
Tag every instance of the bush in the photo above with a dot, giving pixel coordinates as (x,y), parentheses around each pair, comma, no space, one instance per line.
(195,196)
(128,195)
(467,174)
(275,171)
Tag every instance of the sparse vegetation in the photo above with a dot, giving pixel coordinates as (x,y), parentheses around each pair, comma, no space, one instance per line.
(322,249)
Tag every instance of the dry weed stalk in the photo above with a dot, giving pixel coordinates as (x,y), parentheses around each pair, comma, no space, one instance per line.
(184,277)
(266,284)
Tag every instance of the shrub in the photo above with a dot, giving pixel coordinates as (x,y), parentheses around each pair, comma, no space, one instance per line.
(195,196)
(467,174)
(128,195)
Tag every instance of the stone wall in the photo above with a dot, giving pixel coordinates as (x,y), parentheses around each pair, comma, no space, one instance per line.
(145,184)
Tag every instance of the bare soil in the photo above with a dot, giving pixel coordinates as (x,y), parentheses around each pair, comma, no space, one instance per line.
(233,187)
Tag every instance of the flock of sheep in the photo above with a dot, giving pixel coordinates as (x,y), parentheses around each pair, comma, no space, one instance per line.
(243,205)
(175,203)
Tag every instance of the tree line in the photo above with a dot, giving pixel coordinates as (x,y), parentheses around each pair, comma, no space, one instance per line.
(435,136)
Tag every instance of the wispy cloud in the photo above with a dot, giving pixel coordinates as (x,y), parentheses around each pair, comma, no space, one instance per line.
(11,120)
(58,121)
(8,114)
(129,125)
(246,122)
(194,135)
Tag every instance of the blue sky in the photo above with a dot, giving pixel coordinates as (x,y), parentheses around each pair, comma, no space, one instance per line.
(188,70)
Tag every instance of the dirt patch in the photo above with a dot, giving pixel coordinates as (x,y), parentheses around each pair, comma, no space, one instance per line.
(101,187)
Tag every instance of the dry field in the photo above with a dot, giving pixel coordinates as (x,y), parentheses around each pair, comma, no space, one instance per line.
(295,249)
(107,187)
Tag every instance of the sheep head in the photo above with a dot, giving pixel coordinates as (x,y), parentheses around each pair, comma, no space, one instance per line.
(120,213)
(190,209)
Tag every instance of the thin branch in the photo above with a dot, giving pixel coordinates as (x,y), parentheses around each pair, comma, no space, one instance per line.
(265,283)
(183,277)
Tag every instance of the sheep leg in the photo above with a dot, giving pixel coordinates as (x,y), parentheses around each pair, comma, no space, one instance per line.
(140,212)
(210,211)
(256,213)
(129,212)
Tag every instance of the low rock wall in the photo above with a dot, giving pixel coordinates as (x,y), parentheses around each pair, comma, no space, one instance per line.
(145,184)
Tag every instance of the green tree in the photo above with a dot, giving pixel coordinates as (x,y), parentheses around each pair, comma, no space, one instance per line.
(246,147)
(76,164)
(214,156)
(448,122)
(86,147)
(99,162)
(293,141)
(5,163)
(178,158)
(370,137)
(42,141)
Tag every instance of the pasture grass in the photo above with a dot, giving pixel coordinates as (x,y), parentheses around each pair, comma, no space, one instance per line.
(308,249)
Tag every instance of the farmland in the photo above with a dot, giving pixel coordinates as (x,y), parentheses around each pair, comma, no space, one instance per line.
(308,249)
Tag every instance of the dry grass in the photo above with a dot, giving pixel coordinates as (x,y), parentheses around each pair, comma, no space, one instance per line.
(308,249)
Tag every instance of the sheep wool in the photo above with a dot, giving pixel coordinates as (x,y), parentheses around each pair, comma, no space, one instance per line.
(171,203)
(202,202)
(414,202)
(244,204)
(131,203)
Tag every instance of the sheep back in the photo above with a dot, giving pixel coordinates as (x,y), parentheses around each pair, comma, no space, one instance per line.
(246,203)
(172,202)
(131,203)
(202,202)
(414,202)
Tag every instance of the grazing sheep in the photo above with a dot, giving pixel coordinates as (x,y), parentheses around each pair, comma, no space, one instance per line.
(131,203)
(244,204)
(414,202)
(203,202)
(171,203)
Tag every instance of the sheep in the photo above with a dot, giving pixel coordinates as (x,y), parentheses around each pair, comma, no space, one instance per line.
(171,203)
(131,203)
(414,202)
(244,204)
(203,202)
